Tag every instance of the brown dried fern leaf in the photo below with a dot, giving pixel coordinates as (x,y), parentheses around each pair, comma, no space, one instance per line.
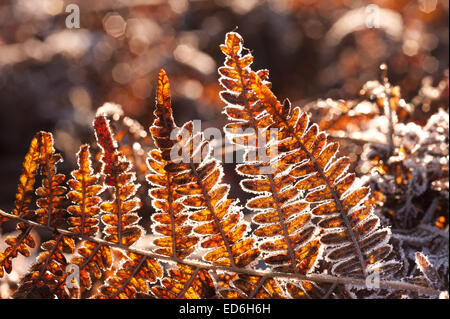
(198,178)
(170,220)
(185,282)
(356,244)
(27,180)
(92,259)
(19,244)
(45,276)
(120,219)
(283,219)
(195,192)
(23,241)
(52,200)
(51,196)
(132,139)
(85,187)
(245,286)
(131,278)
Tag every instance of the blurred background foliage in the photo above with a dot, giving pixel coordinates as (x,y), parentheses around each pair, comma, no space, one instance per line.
(53,78)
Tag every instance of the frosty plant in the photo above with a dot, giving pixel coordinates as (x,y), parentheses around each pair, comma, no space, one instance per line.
(311,231)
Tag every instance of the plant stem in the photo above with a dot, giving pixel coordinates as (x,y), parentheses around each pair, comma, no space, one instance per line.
(386,284)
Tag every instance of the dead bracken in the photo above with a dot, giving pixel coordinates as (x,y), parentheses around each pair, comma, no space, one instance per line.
(315,230)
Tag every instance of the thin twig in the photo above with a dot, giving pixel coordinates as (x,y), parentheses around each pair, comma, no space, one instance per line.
(357,141)
(428,216)
(388,108)
(434,230)
(330,291)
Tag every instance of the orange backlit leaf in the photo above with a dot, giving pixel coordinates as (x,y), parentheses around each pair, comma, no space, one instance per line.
(23,241)
(313,163)
(91,258)
(46,275)
(51,200)
(85,187)
(120,218)
(185,282)
(131,278)
(187,191)
(278,197)
(245,286)
(170,221)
